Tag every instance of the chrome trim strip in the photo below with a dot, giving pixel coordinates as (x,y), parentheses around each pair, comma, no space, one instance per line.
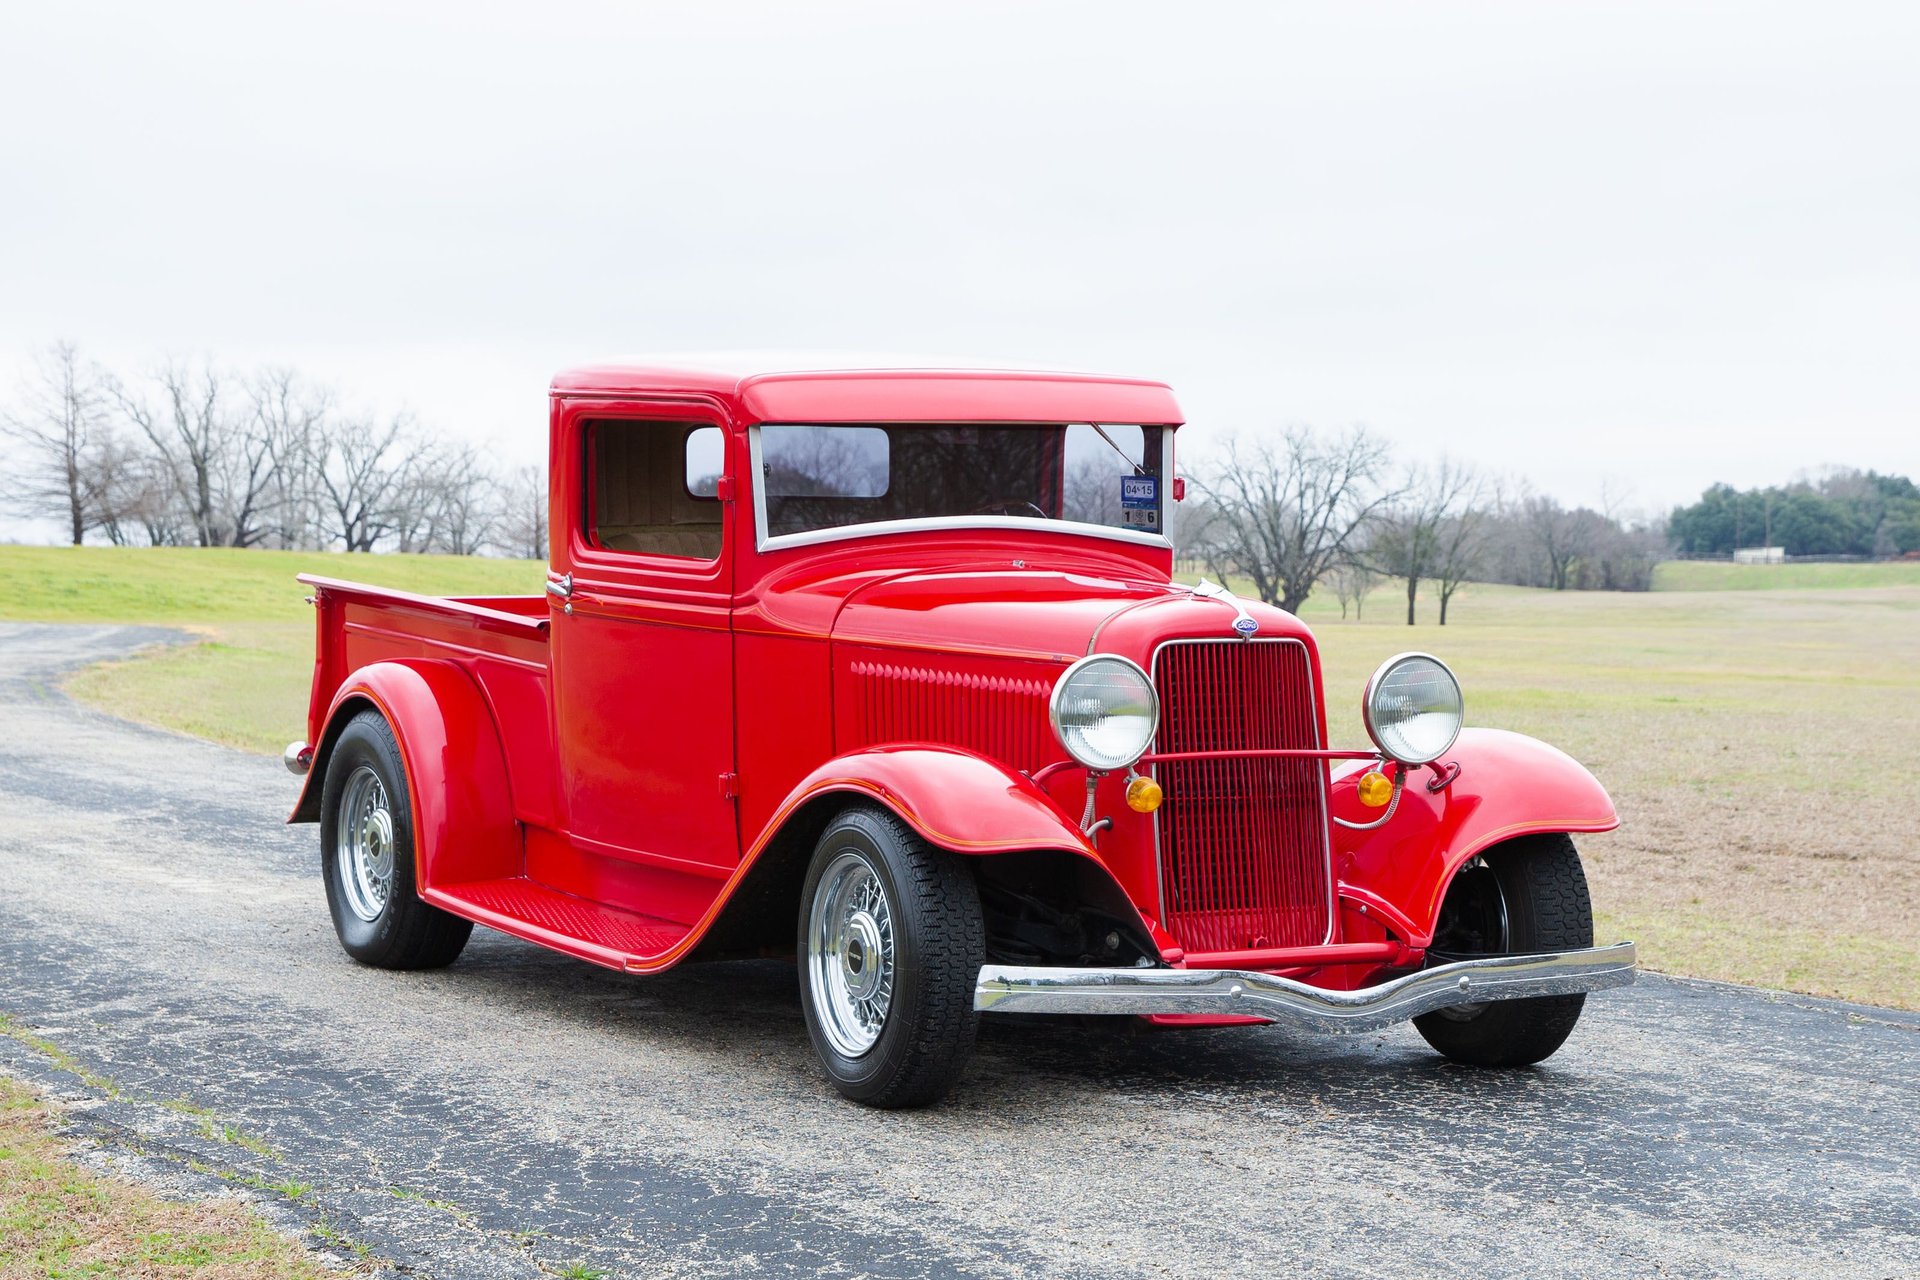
(1024,989)
(1326,794)
(925,524)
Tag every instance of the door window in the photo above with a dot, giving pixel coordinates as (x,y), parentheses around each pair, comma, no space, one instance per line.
(651,488)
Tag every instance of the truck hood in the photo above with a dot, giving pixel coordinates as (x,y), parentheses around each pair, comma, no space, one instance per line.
(1045,614)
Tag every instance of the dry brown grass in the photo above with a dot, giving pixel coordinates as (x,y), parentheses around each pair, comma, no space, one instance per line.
(59,1220)
(1754,742)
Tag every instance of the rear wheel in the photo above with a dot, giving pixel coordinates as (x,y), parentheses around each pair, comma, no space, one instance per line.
(366,856)
(1525,896)
(891,943)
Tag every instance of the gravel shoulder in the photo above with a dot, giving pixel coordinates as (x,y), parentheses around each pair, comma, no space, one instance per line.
(521,1110)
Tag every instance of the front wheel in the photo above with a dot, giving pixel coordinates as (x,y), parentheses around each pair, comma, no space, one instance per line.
(891,943)
(1523,897)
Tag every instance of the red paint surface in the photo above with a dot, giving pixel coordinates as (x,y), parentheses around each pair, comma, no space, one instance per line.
(601,780)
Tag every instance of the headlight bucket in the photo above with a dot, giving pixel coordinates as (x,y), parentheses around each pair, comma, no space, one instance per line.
(1104,711)
(1413,708)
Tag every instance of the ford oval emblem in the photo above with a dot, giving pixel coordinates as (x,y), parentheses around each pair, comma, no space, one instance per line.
(1245,625)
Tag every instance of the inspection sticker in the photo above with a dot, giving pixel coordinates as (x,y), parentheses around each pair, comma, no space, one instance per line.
(1139,492)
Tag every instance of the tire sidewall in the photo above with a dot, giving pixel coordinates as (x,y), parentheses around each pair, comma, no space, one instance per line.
(1519,1033)
(871,1072)
(367,741)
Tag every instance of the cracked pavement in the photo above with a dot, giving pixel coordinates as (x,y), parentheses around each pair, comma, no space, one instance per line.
(521,1111)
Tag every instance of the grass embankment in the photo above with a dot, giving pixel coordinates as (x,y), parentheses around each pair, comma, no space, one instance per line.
(245,684)
(1750,737)
(57,1219)
(1721,575)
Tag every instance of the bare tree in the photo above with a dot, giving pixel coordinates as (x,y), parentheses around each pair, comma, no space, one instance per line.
(1558,535)
(465,492)
(364,468)
(189,432)
(1284,509)
(1431,532)
(132,494)
(1353,580)
(522,529)
(1460,543)
(292,419)
(60,423)
(444,499)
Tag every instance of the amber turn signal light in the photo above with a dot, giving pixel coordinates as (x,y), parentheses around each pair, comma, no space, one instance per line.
(1144,795)
(1375,789)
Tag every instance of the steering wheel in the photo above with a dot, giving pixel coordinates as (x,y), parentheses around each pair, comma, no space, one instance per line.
(1005,507)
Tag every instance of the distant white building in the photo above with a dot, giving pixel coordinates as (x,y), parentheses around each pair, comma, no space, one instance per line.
(1760,555)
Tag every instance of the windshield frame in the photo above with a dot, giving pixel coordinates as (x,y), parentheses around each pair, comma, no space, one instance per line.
(929,524)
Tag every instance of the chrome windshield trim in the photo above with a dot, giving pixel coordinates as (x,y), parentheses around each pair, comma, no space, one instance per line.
(925,524)
(1029,989)
(763,541)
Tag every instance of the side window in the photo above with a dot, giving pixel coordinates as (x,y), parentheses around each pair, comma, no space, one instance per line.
(651,488)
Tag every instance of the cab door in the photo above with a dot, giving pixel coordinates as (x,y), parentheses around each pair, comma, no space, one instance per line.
(641,636)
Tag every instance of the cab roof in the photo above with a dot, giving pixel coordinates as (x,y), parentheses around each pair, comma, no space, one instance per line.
(762,387)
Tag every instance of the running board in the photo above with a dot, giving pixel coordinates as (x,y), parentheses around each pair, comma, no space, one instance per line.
(588,930)
(1028,989)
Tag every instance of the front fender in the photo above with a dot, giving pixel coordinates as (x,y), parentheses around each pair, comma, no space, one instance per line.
(955,799)
(463,825)
(1509,785)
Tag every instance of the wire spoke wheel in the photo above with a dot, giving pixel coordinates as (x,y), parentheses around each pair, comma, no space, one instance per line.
(850,954)
(364,844)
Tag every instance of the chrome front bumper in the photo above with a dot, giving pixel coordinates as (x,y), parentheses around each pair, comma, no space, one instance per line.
(1021,989)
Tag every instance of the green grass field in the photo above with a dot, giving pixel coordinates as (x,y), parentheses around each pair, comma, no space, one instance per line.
(245,683)
(1714,575)
(1768,830)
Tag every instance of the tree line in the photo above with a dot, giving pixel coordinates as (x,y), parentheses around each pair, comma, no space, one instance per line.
(195,454)
(1303,509)
(1842,513)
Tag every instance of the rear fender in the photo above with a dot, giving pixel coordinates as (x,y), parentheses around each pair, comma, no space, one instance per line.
(1509,785)
(463,824)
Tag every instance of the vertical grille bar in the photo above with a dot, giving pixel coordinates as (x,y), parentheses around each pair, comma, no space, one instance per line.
(1243,841)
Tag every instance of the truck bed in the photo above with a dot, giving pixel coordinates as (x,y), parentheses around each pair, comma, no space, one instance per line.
(500,641)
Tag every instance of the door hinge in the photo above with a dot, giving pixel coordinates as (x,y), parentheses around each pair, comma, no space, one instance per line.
(729,786)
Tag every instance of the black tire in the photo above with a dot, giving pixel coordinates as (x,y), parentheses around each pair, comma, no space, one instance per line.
(1539,883)
(937,938)
(401,932)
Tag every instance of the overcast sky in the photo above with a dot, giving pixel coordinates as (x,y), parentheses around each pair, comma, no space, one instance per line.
(1635,246)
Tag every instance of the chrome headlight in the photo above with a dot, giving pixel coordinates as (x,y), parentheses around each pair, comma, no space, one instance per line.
(1413,708)
(1104,711)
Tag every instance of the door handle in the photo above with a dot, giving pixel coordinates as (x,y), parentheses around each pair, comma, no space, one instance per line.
(561,587)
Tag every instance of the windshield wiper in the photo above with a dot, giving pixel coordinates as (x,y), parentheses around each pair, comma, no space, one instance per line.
(1138,469)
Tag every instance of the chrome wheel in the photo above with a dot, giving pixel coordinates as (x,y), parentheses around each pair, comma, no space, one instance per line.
(850,954)
(364,844)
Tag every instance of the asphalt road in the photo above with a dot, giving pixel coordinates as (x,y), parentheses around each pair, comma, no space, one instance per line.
(520,1110)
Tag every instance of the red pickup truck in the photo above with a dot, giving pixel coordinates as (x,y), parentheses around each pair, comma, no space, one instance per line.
(886,669)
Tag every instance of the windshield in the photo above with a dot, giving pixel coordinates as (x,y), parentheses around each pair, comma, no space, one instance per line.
(830,477)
